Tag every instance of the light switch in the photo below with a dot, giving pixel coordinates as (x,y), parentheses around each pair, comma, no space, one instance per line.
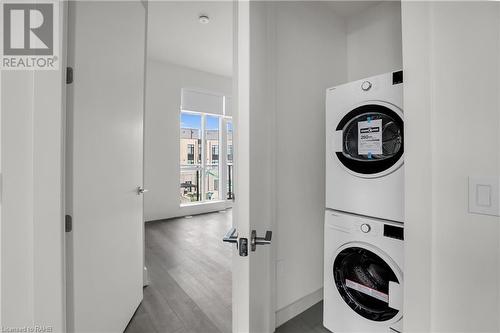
(483,195)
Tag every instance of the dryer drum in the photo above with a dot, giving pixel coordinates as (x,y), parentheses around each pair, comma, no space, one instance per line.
(392,139)
(362,279)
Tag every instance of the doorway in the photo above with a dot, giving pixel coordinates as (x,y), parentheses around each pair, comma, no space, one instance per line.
(131,153)
(188,161)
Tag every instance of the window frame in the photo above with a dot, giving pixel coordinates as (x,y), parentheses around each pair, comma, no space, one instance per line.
(222,157)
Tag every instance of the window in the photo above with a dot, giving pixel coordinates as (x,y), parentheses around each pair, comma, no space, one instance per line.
(229,160)
(215,153)
(229,152)
(190,158)
(212,132)
(205,147)
(190,153)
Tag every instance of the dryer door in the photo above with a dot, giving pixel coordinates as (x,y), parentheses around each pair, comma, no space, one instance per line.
(363,279)
(371,138)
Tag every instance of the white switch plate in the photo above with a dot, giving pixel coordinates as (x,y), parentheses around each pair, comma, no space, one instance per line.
(483,195)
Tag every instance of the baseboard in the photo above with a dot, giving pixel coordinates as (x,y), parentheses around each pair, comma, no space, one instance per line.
(288,312)
(195,209)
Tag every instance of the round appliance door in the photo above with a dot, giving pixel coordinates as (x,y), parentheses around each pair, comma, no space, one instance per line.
(372,140)
(362,275)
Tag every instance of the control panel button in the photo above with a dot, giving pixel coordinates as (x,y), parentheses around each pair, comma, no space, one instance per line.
(365,228)
(366,85)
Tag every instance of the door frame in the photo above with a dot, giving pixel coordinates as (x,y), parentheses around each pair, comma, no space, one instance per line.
(254,296)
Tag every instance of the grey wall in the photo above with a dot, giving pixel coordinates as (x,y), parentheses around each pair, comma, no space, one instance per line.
(310,53)
(161,142)
(374,41)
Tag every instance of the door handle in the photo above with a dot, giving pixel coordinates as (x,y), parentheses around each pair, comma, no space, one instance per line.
(141,190)
(254,240)
(231,236)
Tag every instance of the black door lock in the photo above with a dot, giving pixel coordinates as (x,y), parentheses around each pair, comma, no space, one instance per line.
(242,243)
(243,247)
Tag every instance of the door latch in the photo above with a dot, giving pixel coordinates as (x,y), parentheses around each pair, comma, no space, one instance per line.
(141,190)
(68,223)
(254,240)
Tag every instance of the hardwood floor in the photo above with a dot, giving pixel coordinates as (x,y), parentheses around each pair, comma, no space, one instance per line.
(190,271)
(309,321)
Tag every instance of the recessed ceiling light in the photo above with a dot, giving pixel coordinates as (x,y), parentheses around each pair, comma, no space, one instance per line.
(204,19)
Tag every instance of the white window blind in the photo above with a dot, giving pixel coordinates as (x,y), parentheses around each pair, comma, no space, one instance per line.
(199,101)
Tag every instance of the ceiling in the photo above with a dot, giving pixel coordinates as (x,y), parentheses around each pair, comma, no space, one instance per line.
(175,34)
(347,9)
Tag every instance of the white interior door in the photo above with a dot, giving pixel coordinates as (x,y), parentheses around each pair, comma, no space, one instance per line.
(253,274)
(105,164)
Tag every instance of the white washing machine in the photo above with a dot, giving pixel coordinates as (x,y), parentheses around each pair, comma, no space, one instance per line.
(364,147)
(363,274)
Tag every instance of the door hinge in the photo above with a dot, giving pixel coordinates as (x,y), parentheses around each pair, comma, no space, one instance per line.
(68,223)
(69,75)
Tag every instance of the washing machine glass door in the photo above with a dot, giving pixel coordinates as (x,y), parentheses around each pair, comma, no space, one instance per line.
(362,279)
(372,139)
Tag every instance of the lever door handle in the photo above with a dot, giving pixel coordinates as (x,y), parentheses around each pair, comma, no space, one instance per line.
(141,190)
(231,236)
(254,240)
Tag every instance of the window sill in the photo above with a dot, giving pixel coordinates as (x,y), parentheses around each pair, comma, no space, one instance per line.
(212,202)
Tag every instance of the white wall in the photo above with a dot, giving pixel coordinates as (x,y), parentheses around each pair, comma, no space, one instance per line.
(32,232)
(164,82)
(310,53)
(452,70)
(374,41)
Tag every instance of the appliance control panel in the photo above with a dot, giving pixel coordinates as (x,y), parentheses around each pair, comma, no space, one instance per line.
(365,227)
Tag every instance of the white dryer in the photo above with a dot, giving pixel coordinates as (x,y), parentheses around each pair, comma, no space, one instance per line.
(364,147)
(363,274)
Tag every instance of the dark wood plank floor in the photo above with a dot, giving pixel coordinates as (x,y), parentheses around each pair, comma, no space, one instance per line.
(309,321)
(190,272)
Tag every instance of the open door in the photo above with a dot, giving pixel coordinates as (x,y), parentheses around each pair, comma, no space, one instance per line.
(105,164)
(253,213)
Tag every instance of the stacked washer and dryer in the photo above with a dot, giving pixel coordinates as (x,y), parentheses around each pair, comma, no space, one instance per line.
(363,261)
